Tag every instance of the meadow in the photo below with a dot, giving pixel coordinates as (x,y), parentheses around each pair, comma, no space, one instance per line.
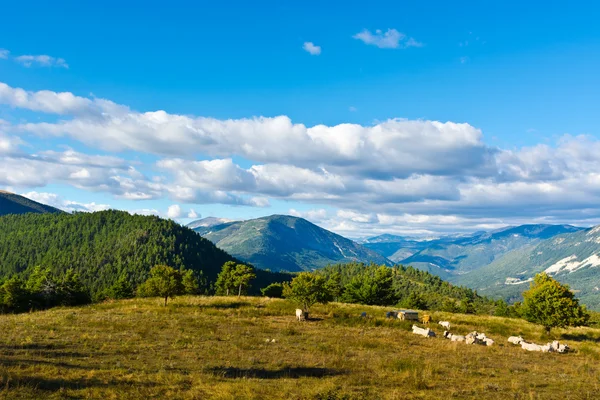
(217,348)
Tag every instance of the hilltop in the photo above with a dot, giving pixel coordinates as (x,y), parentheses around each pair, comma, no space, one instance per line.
(11,203)
(286,243)
(105,245)
(215,348)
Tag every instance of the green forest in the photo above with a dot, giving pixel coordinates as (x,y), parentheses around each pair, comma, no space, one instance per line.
(405,286)
(106,246)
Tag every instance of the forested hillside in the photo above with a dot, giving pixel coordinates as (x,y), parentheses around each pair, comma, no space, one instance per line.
(11,203)
(106,245)
(405,286)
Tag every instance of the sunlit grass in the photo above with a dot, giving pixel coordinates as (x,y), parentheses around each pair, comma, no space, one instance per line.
(201,347)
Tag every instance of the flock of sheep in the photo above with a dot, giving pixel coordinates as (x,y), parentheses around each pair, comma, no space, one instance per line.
(480,338)
(554,347)
(473,337)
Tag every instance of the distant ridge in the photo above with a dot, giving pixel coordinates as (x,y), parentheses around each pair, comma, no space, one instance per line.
(11,203)
(286,243)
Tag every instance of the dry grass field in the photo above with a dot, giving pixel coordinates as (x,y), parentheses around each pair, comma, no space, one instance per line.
(216,348)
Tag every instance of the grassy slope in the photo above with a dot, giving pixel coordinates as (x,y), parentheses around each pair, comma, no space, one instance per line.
(200,347)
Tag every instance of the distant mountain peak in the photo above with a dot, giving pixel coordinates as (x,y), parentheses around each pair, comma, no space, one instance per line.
(208,222)
(285,242)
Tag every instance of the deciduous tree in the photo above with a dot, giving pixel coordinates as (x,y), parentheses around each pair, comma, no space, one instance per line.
(552,304)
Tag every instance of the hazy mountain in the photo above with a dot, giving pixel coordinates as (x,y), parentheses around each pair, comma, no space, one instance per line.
(461,254)
(286,243)
(207,222)
(11,203)
(572,258)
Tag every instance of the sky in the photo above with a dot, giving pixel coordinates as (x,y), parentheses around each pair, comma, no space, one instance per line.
(412,118)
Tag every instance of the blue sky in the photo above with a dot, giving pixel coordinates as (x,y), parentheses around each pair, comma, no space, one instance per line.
(520,80)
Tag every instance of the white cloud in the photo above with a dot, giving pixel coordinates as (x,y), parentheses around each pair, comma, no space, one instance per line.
(391,39)
(41,60)
(311,48)
(4,54)
(174,211)
(54,200)
(193,214)
(423,176)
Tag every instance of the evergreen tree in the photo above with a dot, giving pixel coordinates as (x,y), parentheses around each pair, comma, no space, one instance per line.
(372,287)
(415,301)
(71,291)
(552,304)
(274,290)
(121,289)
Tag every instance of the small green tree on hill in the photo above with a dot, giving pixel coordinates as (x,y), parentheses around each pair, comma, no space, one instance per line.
(273,290)
(121,289)
(552,304)
(224,283)
(306,290)
(190,282)
(13,295)
(242,275)
(164,282)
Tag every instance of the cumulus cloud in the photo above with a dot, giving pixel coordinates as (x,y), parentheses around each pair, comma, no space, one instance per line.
(389,149)
(54,200)
(411,176)
(192,214)
(391,39)
(42,61)
(4,54)
(174,211)
(311,48)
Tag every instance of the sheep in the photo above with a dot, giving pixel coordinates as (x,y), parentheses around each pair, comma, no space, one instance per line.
(300,315)
(531,346)
(423,332)
(445,324)
(478,338)
(515,340)
(453,337)
(363,314)
(559,348)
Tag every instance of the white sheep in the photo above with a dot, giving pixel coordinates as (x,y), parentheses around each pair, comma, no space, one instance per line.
(531,346)
(445,324)
(453,337)
(515,340)
(299,314)
(423,332)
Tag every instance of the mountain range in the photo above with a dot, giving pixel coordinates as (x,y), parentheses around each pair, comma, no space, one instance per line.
(499,263)
(285,243)
(11,203)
